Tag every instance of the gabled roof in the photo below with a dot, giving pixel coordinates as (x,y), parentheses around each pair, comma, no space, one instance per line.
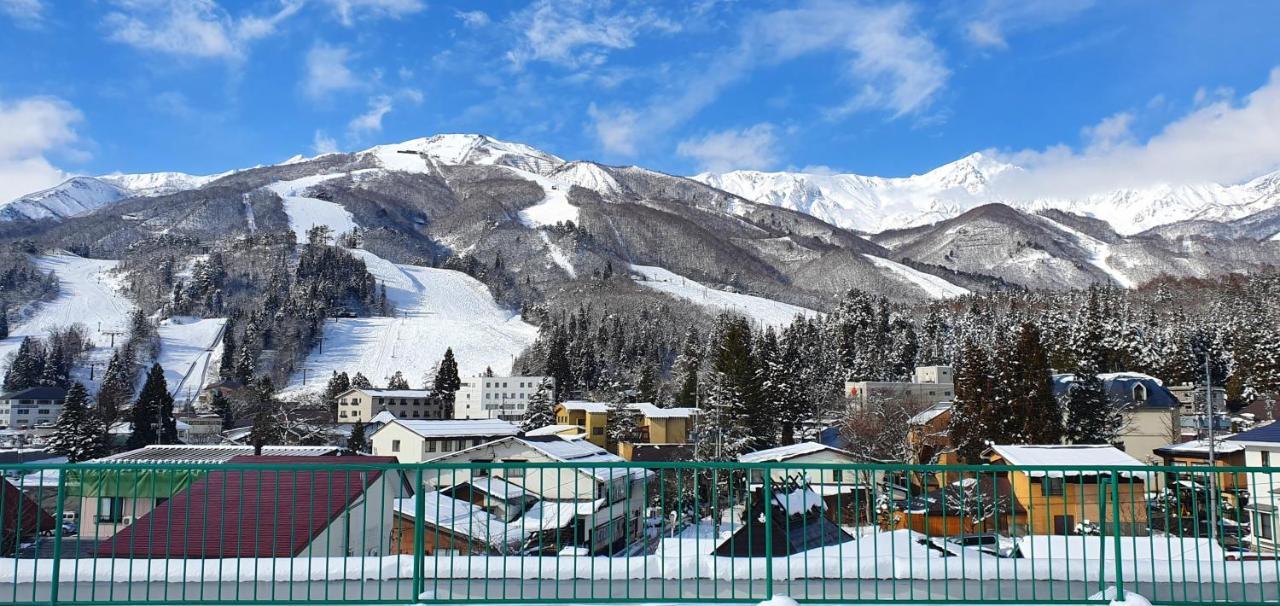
(925,416)
(783,453)
(457,428)
(1086,455)
(585,406)
(552,430)
(181,453)
(21,519)
(1120,389)
(654,412)
(248,513)
(1200,448)
(561,449)
(40,392)
(394,393)
(1266,434)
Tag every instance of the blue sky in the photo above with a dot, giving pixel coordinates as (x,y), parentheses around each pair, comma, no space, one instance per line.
(885,88)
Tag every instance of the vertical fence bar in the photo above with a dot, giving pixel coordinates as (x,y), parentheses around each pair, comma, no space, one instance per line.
(419,512)
(57,536)
(767,475)
(1115,497)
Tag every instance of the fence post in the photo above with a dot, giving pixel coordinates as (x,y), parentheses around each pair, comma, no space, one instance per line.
(57,535)
(419,547)
(1115,498)
(767,478)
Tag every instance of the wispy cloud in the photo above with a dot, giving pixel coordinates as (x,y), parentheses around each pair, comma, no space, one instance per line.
(473,18)
(191,28)
(1224,141)
(752,148)
(327,71)
(29,14)
(349,11)
(322,143)
(370,122)
(31,129)
(889,62)
(995,20)
(581,33)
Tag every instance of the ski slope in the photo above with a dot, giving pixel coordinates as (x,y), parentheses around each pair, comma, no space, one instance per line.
(557,255)
(434,309)
(933,285)
(186,349)
(89,294)
(554,207)
(305,213)
(1099,252)
(766,311)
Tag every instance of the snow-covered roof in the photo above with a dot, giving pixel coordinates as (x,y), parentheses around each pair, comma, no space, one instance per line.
(552,430)
(459,427)
(1263,434)
(211,453)
(467,519)
(782,453)
(396,393)
(584,406)
(1085,455)
(1221,446)
(498,487)
(382,418)
(654,412)
(925,416)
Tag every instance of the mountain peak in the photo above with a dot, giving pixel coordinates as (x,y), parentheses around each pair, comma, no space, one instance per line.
(971,173)
(465,148)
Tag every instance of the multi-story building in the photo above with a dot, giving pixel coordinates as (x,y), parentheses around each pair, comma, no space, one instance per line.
(412,441)
(27,408)
(505,398)
(363,404)
(929,385)
(1191,398)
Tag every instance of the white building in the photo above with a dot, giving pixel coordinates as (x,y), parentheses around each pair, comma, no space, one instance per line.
(364,404)
(27,408)
(1262,449)
(929,385)
(505,398)
(411,441)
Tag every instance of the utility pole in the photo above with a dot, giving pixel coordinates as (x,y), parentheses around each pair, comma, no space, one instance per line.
(1213,475)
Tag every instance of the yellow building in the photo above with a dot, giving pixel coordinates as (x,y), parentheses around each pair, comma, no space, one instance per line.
(592,417)
(658,426)
(1057,501)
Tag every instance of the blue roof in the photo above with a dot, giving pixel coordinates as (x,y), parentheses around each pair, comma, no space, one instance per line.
(1120,387)
(1267,433)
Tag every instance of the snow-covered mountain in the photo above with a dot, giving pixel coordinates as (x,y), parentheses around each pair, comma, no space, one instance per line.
(83,195)
(875,204)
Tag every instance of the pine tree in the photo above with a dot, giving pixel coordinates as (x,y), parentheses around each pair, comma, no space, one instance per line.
(1091,417)
(266,429)
(152,414)
(540,410)
(221,406)
(623,423)
(55,372)
(27,367)
(397,381)
(4,322)
(687,367)
(117,386)
(359,381)
(227,364)
(339,383)
(973,395)
(557,365)
(358,443)
(1031,392)
(447,383)
(246,364)
(79,434)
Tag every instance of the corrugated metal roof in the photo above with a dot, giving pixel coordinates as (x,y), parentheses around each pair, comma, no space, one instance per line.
(247,513)
(182,453)
(461,427)
(782,453)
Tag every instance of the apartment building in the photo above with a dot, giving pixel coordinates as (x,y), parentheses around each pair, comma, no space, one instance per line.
(363,404)
(27,408)
(505,398)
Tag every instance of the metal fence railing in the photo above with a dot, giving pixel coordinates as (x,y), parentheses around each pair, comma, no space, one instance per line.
(316,532)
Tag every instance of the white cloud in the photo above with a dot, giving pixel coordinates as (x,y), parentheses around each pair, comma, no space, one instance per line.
(371,121)
(473,18)
(322,143)
(25,13)
(889,63)
(1223,142)
(581,33)
(750,148)
(997,19)
(327,71)
(348,11)
(194,28)
(30,130)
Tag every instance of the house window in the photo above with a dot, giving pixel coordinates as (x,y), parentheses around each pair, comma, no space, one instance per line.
(514,472)
(1266,526)
(599,431)
(1139,393)
(1266,458)
(837,475)
(395,446)
(431,445)
(1053,487)
(110,510)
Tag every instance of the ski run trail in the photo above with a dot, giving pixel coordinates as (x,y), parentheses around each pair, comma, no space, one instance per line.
(936,287)
(1099,252)
(435,309)
(760,309)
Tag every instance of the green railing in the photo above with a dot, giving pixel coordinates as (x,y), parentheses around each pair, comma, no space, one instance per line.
(618,532)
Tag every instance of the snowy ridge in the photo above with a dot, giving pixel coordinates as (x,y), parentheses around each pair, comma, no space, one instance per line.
(588,175)
(557,256)
(765,311)
(936,287)
(158,184)
(75,196)
(454,149)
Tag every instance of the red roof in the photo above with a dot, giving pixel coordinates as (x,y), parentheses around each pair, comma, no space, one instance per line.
(248,513)
(20,517)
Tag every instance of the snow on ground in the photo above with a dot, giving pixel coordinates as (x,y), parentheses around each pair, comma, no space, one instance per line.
(558,256)
(186,349)
(554,207)
(935,286)
(305,213)
(1099,252)
(90,295)
(434,309)
(766,311)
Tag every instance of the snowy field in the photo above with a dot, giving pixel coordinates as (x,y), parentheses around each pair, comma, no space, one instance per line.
(934,286)
(765,311)
(90,295)
(187,347)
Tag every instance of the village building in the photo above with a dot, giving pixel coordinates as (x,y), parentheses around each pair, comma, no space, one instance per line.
(1151,412)
(363,404)
(27,408)
(929,385)
(847,493)
(505,398)
(299,512)
(411,441)
(1057,501)
(1262,449)
(112,499)
(658,427)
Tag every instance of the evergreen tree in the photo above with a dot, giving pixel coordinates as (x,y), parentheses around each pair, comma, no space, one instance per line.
(221,406)
(740,423)
(358,443)
(973,395)
(79,434)
(227,364)
(623,424)
(4,322)
(117,386)
(246,364)
(1031,391)
(266,429)
(152,414)
(359,381)
(27,367)
(56,371)
(339,383)
(1091,417)
(687,368)
(397,381)
(557,366)
(540,410)
(447,383)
